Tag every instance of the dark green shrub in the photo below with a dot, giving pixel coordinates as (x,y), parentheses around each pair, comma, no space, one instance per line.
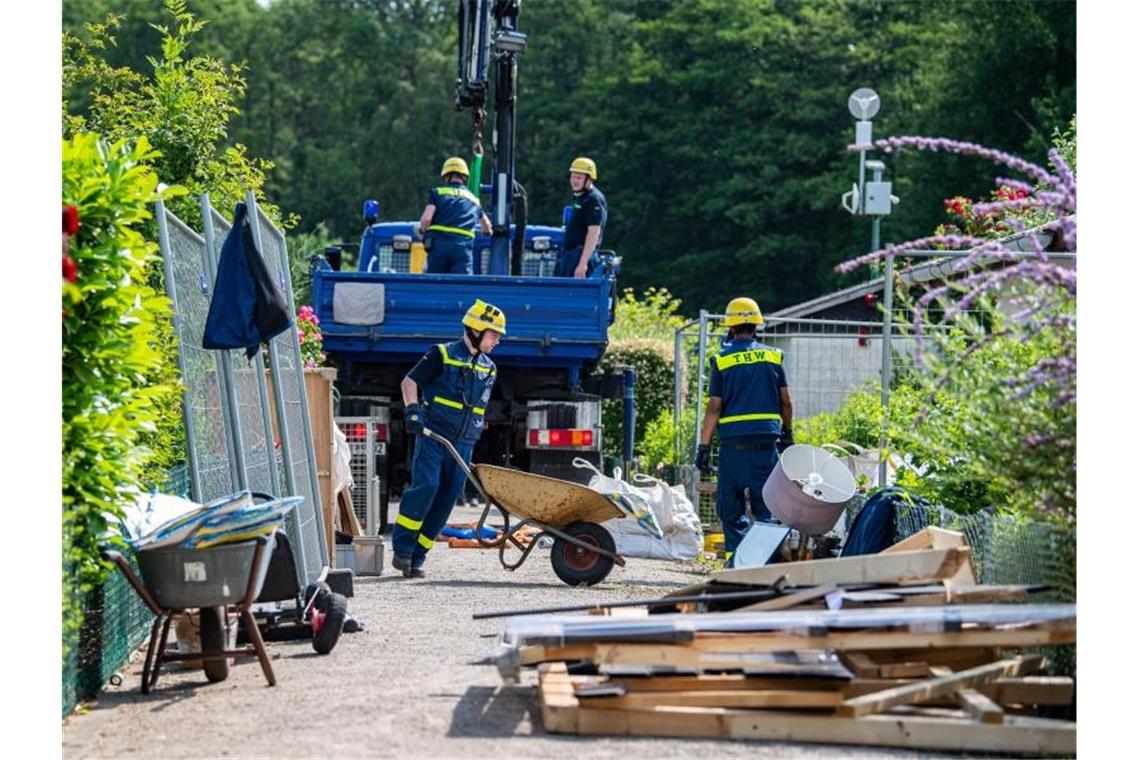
(653,360)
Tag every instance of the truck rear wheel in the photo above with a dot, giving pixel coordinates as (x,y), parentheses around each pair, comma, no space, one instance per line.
(576,566)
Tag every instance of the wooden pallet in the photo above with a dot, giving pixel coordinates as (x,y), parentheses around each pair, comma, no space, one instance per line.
(711,707)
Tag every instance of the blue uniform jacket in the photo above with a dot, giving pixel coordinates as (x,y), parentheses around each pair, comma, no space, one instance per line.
(457,398)
(457,210)
(747,376)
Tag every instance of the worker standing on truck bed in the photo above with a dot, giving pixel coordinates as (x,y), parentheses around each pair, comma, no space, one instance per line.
(455,381)
(587,222)
(751,408)
(449,221)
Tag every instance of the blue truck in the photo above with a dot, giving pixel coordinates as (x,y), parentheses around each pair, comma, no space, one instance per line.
(546,406)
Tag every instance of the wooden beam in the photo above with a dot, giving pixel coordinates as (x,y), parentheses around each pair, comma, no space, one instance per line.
(933,537)
(860,664)
(1031,690)
(898,567)
(980,706)
(743,699)
(725,682)
(934,687)
(904,670)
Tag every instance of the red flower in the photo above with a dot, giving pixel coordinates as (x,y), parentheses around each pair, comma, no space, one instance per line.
(70,270)
(70,220)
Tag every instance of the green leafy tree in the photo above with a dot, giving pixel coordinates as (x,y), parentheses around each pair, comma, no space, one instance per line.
(182,109)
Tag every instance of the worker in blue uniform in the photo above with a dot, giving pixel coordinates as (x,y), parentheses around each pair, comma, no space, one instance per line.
(449,221)
(750,408)
(587,222)
(454,381)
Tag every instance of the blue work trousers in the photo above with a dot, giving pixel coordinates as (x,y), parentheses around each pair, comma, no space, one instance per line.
(450,254)
(742,466)
(568,262)
(437,481)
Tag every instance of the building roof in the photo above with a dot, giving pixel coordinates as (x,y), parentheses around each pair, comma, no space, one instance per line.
(933,269)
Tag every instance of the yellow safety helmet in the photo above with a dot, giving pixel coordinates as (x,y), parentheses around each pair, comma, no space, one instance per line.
(743,311)
(483,316)
(583,165)
(456,165)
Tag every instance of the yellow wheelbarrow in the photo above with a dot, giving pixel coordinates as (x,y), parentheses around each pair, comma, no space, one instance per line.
(583,552)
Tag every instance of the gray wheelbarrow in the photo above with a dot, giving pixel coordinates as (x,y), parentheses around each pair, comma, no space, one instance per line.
(177,579)
(583,553)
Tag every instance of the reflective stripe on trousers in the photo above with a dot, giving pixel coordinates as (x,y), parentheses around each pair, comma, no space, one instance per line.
(437,481)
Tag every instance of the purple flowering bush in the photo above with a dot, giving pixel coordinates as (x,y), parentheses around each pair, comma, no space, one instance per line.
(995,346)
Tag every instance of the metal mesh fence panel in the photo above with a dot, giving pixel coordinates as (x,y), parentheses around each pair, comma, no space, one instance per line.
(360,433)
(188,285)
(290,381)
(251,400)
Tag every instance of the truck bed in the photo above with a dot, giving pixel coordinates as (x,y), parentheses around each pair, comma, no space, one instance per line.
(552,323)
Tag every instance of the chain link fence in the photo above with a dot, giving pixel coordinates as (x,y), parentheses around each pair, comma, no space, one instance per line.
(116,622)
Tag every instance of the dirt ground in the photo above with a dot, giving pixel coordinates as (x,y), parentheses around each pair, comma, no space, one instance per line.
(410,684)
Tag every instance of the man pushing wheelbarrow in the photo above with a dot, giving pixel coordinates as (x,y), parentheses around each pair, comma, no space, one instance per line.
(455,381)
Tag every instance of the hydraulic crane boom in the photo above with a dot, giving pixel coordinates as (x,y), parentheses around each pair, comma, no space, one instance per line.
(477,46)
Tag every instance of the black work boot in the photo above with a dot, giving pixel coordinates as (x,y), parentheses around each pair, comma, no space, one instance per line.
(403,563)
(415,572)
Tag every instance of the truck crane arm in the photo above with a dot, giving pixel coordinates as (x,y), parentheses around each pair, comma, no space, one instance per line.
(477,47)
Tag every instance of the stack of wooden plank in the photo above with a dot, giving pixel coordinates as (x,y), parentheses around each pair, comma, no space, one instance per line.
(900,649)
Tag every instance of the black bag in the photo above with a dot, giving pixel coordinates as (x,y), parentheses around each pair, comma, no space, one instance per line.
(247,308)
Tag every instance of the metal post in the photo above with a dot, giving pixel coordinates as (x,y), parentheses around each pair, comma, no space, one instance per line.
(677,380)
(225,362)
(187,421)
(885,377)
(701,356)
(629,418)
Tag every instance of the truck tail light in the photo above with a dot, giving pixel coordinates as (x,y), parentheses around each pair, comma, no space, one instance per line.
(561,437)
(381,432)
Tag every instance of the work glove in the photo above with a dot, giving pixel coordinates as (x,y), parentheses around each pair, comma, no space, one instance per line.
(786,440)
(414,419)
(703,459)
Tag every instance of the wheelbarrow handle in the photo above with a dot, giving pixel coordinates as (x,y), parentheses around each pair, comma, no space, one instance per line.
(446,444)
(117,557)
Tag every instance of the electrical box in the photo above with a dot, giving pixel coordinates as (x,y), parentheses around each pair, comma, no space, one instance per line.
(877,198)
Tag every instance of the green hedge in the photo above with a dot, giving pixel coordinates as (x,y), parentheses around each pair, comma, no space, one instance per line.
(653,360)
(109,315)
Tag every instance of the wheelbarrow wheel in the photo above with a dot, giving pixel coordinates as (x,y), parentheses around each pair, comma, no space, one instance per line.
(332,622)
(576,566)
(212,633)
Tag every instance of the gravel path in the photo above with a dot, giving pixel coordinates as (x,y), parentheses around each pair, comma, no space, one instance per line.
(408,685)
